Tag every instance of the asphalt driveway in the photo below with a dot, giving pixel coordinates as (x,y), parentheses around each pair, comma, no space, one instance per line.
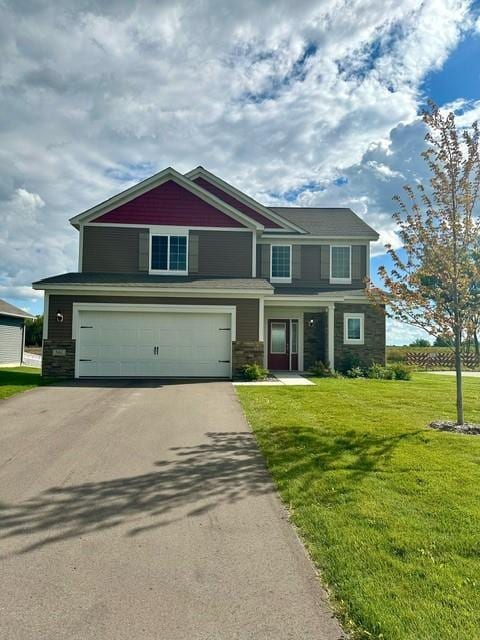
(145,511)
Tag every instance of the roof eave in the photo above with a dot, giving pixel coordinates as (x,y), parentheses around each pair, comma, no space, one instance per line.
(156,180)
(311,236)
(24,315)
(243,197)
(141,287)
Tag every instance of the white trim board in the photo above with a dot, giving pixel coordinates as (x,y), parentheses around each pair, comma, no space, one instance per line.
(86,290)
(27,316)
(319,299)
(153,227)
(46,313)
(314,239)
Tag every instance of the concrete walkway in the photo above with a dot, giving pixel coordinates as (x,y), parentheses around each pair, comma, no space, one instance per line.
(141,511)
(284,378)
(467,374)
(32,360)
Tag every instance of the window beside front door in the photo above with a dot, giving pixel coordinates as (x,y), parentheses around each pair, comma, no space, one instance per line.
(294,345)
(168,254)
(281,263)
(353,328)
(340,264)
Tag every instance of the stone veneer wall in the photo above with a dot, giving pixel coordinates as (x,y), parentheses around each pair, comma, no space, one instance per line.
(58,366)
(314,339)
(373,349)
(63,366)
(244,352)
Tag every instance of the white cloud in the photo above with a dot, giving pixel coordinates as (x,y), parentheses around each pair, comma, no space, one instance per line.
(270,95)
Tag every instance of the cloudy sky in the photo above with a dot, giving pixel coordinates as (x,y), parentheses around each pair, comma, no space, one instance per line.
(305,103)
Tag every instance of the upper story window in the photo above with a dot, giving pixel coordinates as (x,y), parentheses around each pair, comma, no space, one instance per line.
(281,263)
(168,254)
(341,264)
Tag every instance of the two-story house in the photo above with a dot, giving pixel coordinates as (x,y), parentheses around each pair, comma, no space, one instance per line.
(184,275)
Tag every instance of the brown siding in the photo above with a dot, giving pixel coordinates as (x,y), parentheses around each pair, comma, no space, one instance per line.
(110,249)
(224,253)
(310,264)
(315,266)
(247,311)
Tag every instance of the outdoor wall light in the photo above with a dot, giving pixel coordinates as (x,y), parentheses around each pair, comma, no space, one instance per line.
(59,316)
(310,323)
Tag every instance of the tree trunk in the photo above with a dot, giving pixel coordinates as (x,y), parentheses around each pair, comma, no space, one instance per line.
(458,370)
(476,343)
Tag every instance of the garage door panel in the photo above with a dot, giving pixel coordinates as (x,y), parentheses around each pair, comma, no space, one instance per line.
(123,343)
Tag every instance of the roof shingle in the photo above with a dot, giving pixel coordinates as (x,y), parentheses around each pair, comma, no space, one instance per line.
(146,280)
(8,309)
(328,222)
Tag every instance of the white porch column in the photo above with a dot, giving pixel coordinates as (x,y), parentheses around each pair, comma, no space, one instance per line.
(331,335)
(261,319)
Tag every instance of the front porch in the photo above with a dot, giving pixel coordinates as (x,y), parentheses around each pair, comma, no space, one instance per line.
(298,336)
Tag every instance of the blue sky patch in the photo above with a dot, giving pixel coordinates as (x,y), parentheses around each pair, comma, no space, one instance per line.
(297,74)
(129,172)
(291,196)
(459,76)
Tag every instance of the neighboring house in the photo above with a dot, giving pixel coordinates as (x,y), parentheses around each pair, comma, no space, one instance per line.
(184,275)
(12,334)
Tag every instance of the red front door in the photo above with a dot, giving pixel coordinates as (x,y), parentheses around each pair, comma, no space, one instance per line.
(279,345)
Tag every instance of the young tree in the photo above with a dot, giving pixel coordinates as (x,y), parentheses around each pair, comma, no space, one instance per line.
(434,277)
(34,331)
(420,342)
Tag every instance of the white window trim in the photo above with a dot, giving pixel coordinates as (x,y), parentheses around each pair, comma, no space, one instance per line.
(353,316)
(340,280)
(169,272)
(275,279)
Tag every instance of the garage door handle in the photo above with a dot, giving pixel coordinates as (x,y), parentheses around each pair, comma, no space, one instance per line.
(224,361)
(226,329)
(155,351)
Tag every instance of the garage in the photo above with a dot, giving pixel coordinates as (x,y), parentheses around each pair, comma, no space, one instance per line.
(12,333)
(153,341)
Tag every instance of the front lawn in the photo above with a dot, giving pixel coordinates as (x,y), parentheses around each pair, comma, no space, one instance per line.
(16,379)
(389,509)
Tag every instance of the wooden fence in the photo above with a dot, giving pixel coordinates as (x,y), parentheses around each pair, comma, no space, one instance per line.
(444,359)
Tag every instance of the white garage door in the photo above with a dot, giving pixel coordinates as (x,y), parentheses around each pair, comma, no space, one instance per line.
(160,344)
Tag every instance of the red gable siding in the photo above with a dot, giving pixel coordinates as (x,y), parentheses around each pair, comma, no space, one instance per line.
(169,204)
(233,202)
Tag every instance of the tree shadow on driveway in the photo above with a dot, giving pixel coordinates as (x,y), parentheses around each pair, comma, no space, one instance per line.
(225,469)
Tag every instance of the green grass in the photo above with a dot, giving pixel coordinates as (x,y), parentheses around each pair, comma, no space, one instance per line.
(16,379)
(389,509)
